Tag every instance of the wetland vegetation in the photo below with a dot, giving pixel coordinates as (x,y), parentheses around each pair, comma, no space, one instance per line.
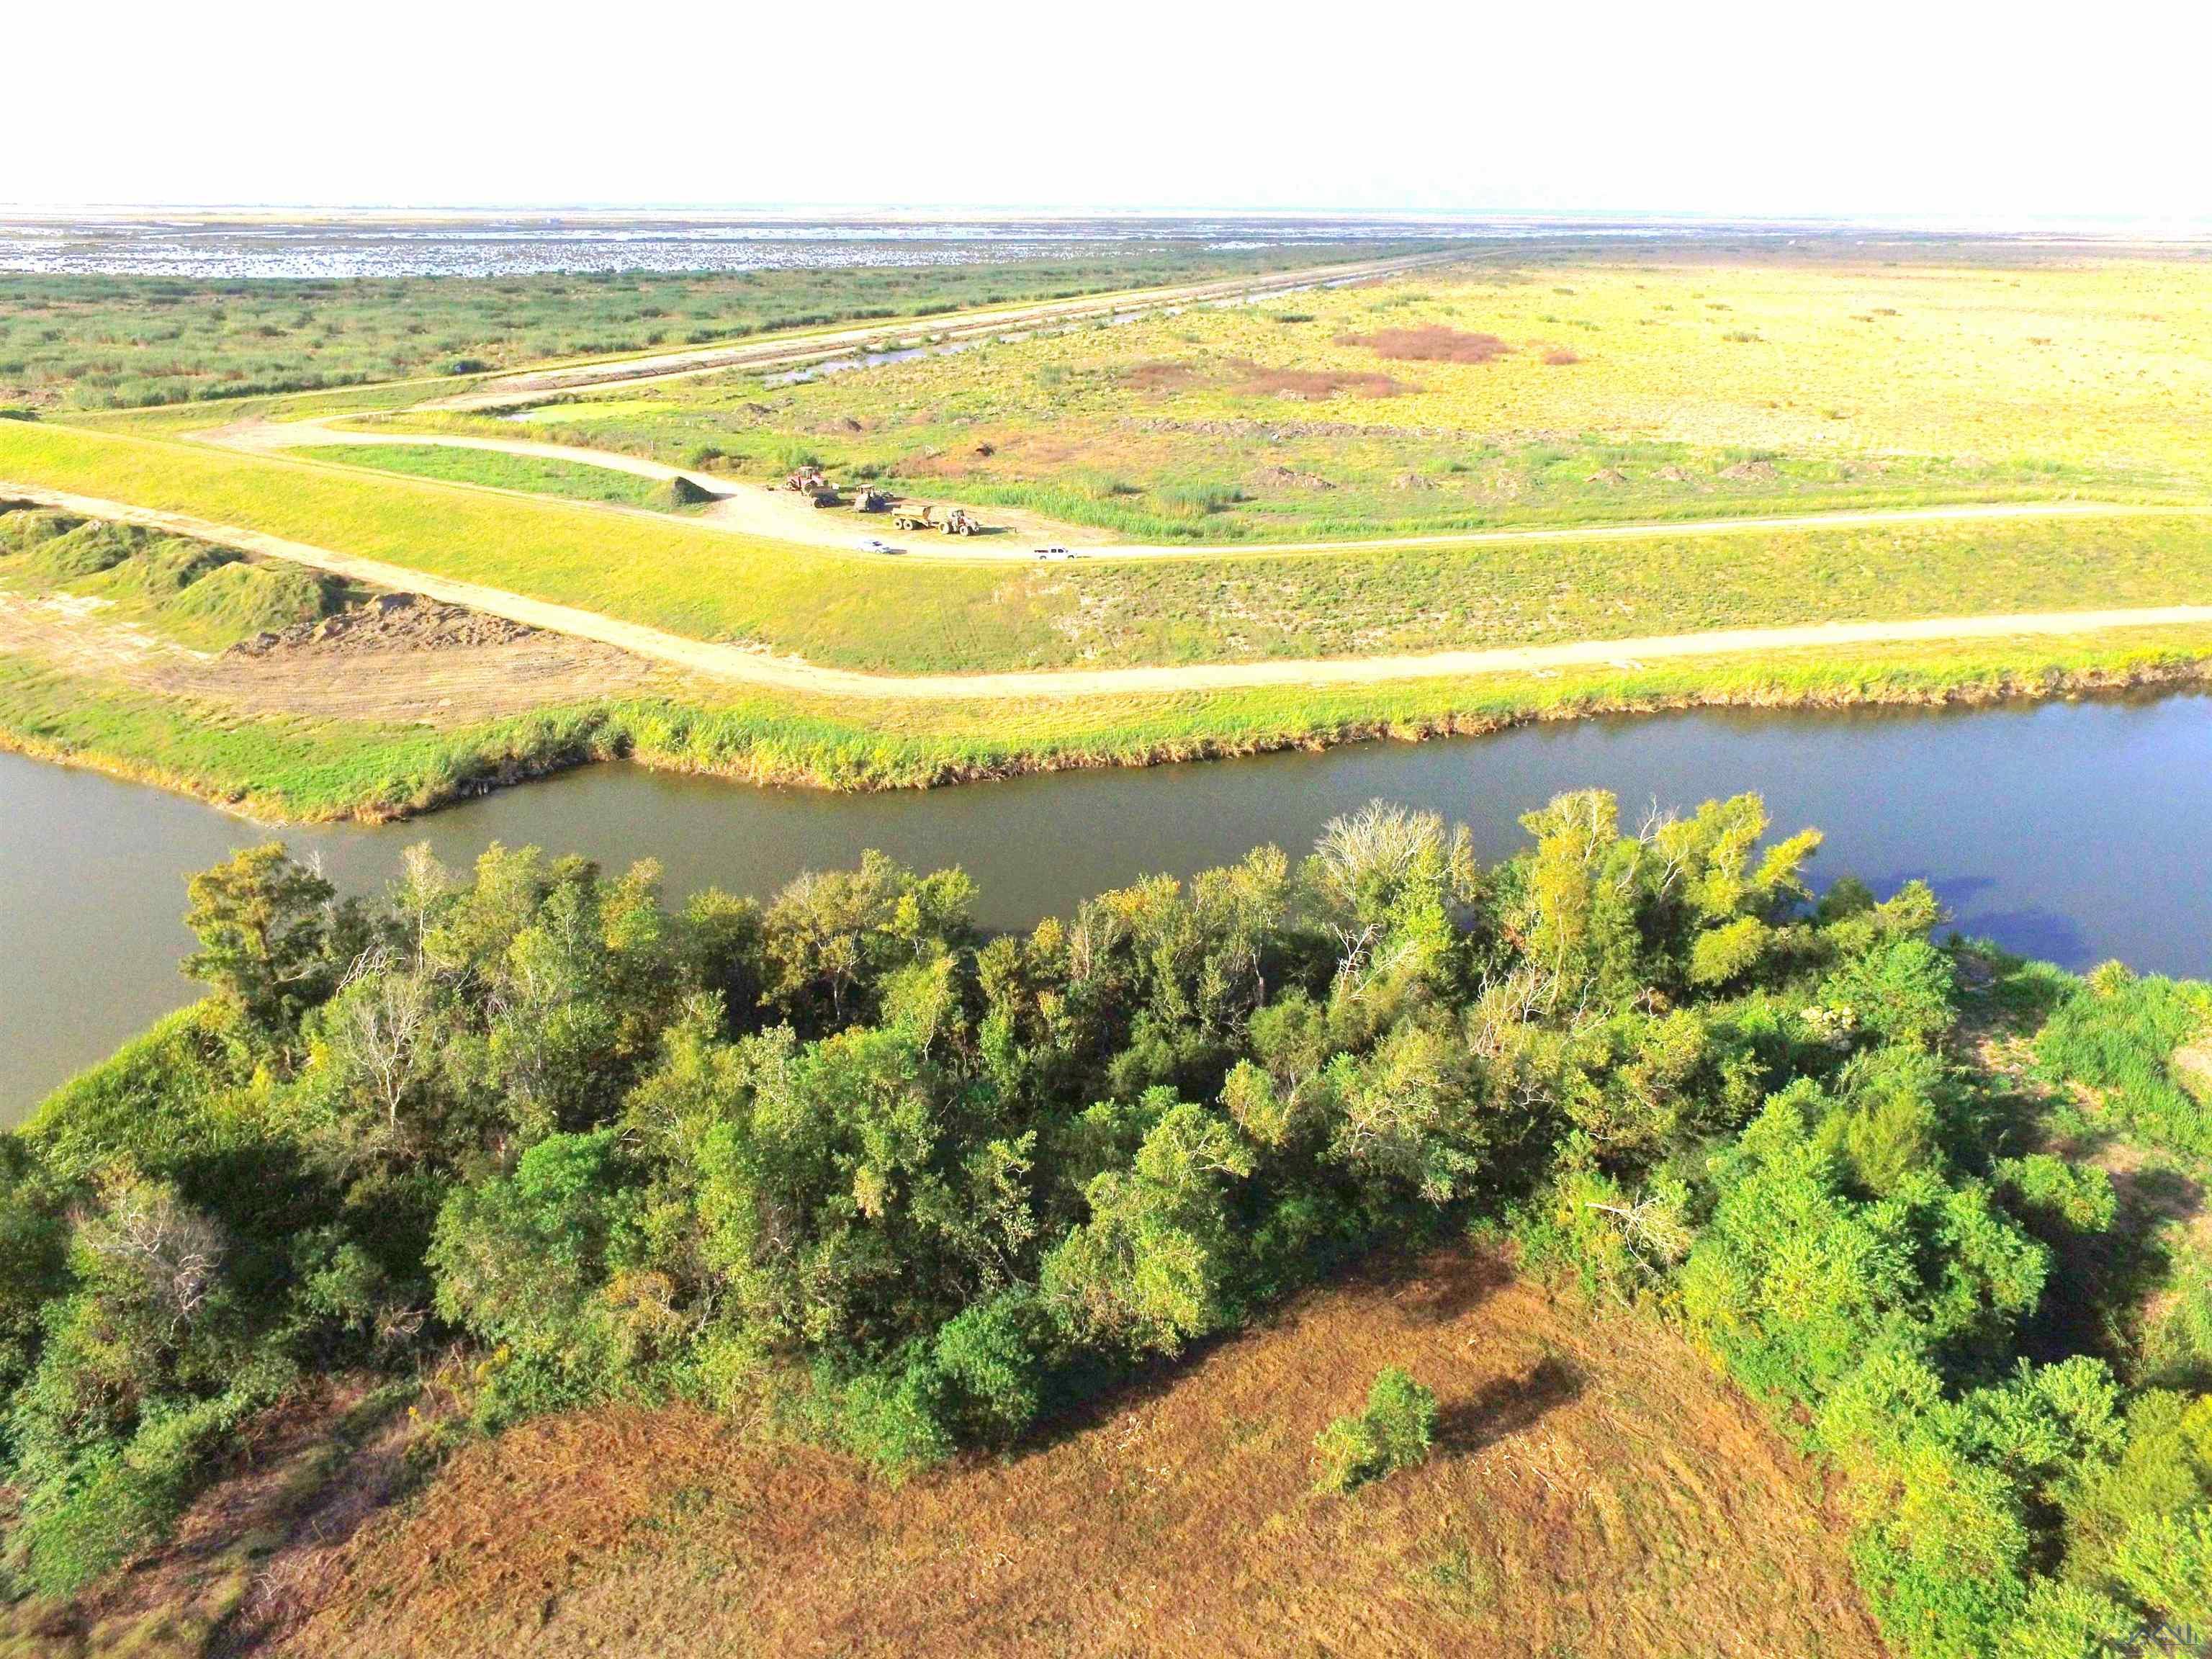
(1426,404)
(563,1209)
(841,1169)
(1625,386)
(90,342)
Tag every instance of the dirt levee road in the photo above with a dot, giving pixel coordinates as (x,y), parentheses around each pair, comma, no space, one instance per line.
(748,666)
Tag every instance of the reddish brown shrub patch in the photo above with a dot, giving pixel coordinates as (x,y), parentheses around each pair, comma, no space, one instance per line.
(1433,344)
(1159,378)
(1312,383)
(1559,356)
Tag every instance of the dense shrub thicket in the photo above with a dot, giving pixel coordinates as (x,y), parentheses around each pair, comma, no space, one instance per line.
(87,340)
(844,1161)
(2146,1046)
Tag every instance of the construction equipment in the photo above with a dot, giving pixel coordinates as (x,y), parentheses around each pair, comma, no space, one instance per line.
(871,501)
(914,518)
(958,523)
(807,481)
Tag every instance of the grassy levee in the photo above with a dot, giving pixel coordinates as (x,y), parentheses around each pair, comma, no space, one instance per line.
(859,612)
(671,575)
(304,768)
(531,474)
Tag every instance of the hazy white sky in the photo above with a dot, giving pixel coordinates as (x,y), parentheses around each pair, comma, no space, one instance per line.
(1928,110)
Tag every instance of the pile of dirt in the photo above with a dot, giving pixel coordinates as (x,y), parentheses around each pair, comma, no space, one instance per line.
(1673,474)
(1283,477)
(1607,476)
(674,495)
(1758,472)
(1432,344)
(390,622)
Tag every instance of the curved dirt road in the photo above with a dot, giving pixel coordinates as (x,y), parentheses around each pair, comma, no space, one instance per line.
(754,667)
(744,509)
(776,516)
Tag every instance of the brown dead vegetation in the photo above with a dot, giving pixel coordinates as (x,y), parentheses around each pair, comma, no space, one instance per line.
(1430,344)
(1594,1491)
(1157,378)
(1311,384)
(244,1559)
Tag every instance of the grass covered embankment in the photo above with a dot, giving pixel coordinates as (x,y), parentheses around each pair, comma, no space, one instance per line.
(202,597)
(530,474)
(305,768)
(859,612)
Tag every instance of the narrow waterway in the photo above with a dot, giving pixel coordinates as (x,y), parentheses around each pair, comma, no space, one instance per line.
(2075,831)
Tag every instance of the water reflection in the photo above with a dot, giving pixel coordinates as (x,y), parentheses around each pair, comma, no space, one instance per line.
(2074,831)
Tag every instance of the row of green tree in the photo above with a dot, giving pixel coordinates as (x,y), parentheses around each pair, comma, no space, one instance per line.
(846,1160)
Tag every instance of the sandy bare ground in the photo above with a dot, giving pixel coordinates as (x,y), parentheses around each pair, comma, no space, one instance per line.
(748,666)
(778,515)
(397,685)
(782,350)
(745,509)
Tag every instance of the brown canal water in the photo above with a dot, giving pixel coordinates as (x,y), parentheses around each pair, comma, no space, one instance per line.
(2074,831)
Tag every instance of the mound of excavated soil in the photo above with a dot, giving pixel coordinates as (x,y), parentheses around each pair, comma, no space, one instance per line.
(1283,477)
(391,622)
(673,494)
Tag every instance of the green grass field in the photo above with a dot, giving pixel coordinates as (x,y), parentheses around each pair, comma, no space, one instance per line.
(1575,386)
(535,474)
